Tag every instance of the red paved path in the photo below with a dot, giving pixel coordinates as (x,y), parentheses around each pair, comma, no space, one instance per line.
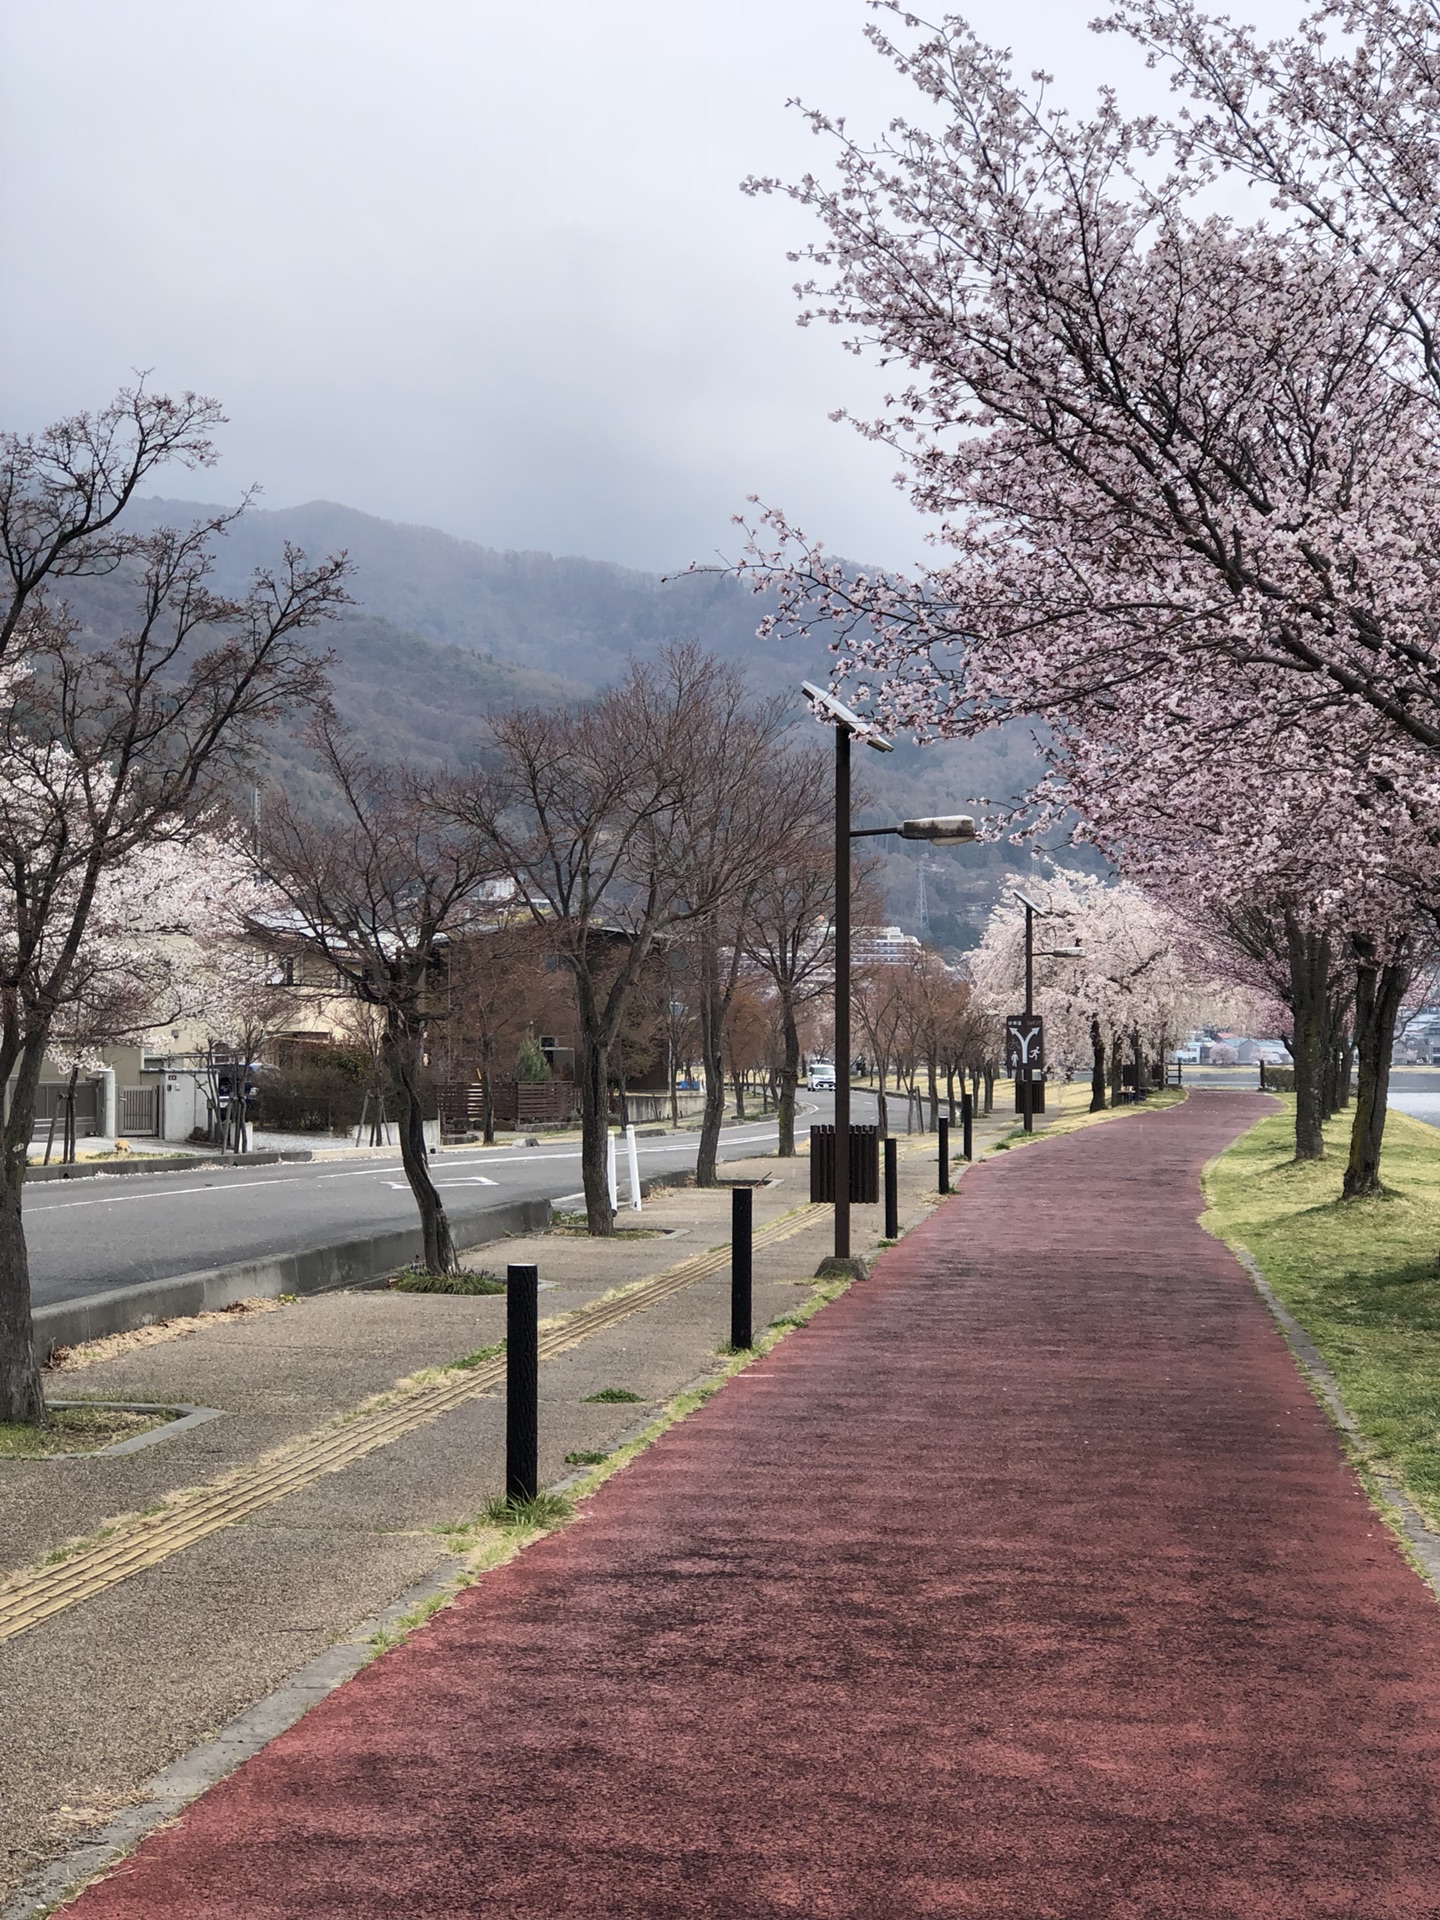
(1026,1582)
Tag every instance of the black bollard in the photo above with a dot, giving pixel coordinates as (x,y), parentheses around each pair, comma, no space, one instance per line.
(967,1126)
(522,1384)
(944,1126)
(742,1333)
(892,1190)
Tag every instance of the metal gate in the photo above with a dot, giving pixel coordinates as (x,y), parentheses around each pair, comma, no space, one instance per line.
(50,1105)
(139,1110)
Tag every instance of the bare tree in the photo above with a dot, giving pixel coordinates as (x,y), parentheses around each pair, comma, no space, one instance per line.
(739,810)
(790,925)
(107,749)
(498,988)
(377,891)
(579,809)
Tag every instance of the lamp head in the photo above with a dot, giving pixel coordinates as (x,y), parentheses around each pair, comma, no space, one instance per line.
(944,830)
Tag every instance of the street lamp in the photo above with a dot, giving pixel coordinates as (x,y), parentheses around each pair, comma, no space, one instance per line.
(1032,907)
(951,830)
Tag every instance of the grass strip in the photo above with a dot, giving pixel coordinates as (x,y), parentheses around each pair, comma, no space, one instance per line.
(1362,1277)
(77,1430)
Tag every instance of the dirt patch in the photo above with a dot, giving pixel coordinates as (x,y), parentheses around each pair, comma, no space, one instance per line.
(114,1345)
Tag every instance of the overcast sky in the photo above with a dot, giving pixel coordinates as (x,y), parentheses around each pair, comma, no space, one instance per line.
(481,264)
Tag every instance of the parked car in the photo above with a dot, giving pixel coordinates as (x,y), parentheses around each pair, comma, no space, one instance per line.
(822,1076)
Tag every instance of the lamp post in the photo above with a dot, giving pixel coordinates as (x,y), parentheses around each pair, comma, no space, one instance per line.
(947,831)
(1032,907)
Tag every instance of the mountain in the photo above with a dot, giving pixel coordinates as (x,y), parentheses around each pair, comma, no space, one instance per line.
(445,631)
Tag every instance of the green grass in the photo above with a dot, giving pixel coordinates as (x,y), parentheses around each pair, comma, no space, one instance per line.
(1361,1276)
(418,1280)
(584,1459)
(477,1359)
(545,1510)
(611,1396)
(76,1430)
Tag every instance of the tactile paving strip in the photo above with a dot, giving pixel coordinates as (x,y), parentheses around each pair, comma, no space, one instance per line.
(40,1595)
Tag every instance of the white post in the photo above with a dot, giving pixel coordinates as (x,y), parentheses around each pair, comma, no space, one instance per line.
(610,1171)
(109,1104)
(632,1154)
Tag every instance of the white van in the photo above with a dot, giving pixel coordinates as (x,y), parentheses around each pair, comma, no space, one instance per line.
(822,1076)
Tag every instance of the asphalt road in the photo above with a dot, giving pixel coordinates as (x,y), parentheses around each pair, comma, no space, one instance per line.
(1413,1090)
(104,1233)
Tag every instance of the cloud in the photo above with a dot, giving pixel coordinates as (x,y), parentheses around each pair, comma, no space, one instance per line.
(467,263)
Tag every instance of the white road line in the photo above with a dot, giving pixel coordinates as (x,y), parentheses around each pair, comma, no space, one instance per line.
(470,1180)
(356,1173)
(173,1193)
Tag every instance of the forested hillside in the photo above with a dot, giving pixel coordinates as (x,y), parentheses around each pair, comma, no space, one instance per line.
(443,631)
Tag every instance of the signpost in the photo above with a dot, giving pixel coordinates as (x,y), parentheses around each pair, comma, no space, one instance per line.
(1025,1058)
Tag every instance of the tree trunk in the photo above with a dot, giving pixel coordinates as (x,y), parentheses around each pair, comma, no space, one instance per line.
(789,1080)
(933,1087)
(739,1080)
(950,1092)
(22,1398)
(401,1047)
(1137,1054)
(487,1099)
(989,1090)
(1117,1075)
(594,1125)
(712,1021)
(1097,1067)
(1309,1006)
(1378,994)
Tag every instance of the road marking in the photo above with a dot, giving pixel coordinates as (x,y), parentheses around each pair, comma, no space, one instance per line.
(39,1593)
(465,1180)
(357,1173)
(172,1193)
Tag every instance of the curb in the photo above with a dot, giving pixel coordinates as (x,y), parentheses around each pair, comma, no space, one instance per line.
(323,1269)
(123,1169)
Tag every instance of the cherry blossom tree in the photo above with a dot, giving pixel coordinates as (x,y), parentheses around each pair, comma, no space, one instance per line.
(1128,992)
(1183,468)
(110,748)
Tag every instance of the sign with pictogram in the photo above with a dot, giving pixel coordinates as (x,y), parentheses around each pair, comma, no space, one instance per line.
(1025,1058)
(1024,1042)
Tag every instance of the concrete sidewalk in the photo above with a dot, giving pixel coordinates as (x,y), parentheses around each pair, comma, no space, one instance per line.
(1028,1582)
